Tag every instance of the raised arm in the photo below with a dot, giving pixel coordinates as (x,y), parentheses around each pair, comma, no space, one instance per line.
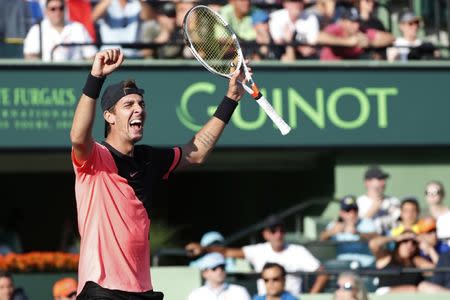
(197,150)
(99,10)
(105,62)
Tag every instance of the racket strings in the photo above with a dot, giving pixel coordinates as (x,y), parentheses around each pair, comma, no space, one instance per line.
(212,41)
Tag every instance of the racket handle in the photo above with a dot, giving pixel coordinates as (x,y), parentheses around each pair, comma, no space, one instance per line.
(279,122)
(270,111)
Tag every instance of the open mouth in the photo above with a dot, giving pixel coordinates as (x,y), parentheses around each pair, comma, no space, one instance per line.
(136,124)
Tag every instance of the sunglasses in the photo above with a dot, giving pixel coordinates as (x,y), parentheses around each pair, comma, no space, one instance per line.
(412,23)
(346,286)
(433,193)
(273,279)
(56,8)
(73,294)
(221,267)
(276,229)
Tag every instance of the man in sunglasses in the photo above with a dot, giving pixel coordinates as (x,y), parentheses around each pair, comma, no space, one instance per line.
(274,277)
(212,266)
(408,46)
(294,258)
(352,233)
(43,39)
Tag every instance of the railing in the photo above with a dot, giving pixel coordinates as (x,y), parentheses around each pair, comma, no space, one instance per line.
(244,44)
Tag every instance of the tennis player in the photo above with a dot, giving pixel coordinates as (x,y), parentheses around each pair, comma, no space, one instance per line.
(115,179)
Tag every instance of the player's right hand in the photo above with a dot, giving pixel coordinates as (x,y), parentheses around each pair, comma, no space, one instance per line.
(106,62)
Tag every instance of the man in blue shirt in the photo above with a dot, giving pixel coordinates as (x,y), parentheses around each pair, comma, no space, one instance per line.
(274,276)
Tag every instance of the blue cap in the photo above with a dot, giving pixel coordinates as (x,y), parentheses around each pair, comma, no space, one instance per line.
(210,238)
(349,202)
(211,260)
(259,16)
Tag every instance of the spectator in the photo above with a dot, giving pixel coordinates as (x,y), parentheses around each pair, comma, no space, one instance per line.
(54,30)
(212,238)
(350,286)
(440,282)
(353,232)
(425,228)
(434,197)
(324,11)
(212,266)
(238,14)
(294,258)
(291,24)
(65,289)
(374,204)
(172,30)
(408,46)
(149,29)
(119,22)
(368,18)
(347,28)
(264,49)
(274,277)
(409,219)
(404,255)
(7,289)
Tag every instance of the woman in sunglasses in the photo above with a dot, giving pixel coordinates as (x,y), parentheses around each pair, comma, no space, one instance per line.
(350,287)
(434,196)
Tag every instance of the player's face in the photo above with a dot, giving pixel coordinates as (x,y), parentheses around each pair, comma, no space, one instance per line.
(6,288)
(55,12)
(128,118)
(274,281)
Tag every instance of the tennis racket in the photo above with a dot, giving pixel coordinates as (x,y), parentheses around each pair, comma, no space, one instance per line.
(214,44)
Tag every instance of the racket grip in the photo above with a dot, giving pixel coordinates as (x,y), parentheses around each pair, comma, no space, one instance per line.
(273,115)
(270,111)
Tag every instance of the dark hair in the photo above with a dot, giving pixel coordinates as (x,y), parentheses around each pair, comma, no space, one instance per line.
(127,84)
(271,265)
(410,200)
(396,257)
(48,1)
(5,274)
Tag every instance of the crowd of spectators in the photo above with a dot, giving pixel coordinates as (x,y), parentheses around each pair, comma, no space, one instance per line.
(281,29)
(374,232)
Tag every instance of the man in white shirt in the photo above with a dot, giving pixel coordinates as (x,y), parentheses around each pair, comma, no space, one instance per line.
(294,258)
(408,46)
(374,204)
(54,30)
(291,24)
(212,266)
